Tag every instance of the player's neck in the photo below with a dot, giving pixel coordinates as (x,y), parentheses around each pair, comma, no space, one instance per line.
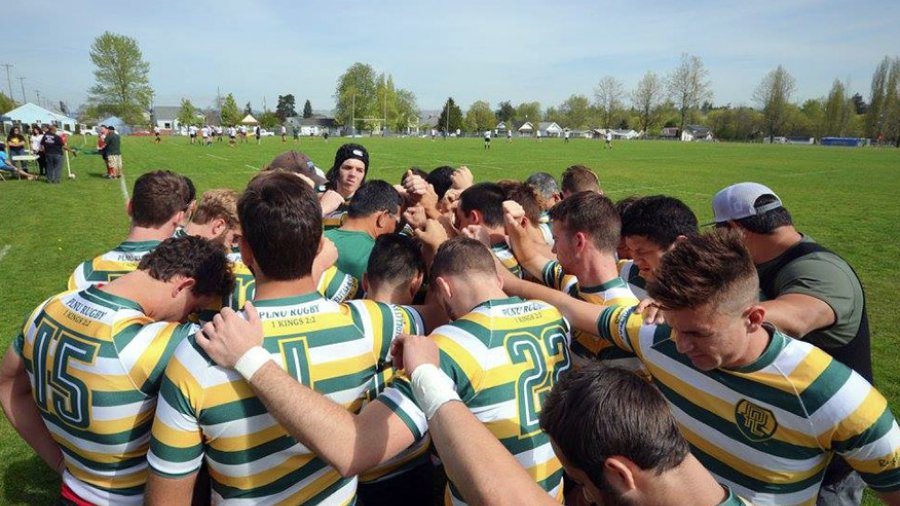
(280,289)
(365,224)
(765,247)
(596,268)
(688,479)
(140,287)
(150,234)
(398,294)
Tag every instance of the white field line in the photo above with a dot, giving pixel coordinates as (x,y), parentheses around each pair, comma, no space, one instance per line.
(217,157)
(123,187)
(255,169)
(4,250)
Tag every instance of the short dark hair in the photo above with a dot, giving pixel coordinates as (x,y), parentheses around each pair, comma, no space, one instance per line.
(372,197)
(767,222)
(190,191)
(192,257)
(461,256)
(157,196)
(486,198)
(525,196)
(706,269)
(622,205)
(578,178)
(659,218)
(416,171)
(440,178)
(592,214)
(597,412)
(395,258)
(543,183)
(281,220)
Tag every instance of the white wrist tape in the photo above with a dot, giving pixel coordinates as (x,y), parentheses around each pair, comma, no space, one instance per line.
(251,361)
(432,388)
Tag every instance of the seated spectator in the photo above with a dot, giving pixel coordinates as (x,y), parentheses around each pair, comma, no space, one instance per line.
(8,167)
(15,141)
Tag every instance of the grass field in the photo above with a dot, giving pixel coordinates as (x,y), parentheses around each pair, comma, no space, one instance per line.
(845,198)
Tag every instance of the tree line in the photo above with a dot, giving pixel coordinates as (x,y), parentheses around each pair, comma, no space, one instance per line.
(369,100)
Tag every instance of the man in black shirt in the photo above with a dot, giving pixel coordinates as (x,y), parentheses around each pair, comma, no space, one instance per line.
(53,146)
(114,153)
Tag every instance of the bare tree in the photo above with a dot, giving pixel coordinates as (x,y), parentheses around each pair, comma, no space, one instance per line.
(646,99)
(688,85)
(774,96)
(609,98)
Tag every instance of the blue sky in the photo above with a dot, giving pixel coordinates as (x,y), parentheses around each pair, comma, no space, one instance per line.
(505,50)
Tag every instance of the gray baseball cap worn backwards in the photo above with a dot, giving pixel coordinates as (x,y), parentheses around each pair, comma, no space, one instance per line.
(738,201)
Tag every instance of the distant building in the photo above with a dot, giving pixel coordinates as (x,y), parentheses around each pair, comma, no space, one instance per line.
(30,113)
(166,117)
(549,129)
(523,127)
(696,133)
(669,133)
(315,125)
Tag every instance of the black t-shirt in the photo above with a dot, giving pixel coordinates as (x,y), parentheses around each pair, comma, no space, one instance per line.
(52,143)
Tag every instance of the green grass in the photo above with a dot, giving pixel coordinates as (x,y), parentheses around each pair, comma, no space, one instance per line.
(845,198)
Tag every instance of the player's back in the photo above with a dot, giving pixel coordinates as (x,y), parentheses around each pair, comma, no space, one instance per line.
(504,357)
(206,409)
(95,362)
(117,262)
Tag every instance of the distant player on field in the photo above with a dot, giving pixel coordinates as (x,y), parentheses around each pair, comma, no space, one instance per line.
(487,139)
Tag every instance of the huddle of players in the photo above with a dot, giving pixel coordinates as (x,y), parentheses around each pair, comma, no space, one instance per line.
(301,401)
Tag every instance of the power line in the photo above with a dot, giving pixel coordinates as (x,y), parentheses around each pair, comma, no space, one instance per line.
(8,79)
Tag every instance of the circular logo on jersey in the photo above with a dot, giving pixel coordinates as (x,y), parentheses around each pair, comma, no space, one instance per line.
(755,422)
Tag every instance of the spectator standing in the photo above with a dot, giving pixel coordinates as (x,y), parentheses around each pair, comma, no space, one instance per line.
(36,135)
(114,153)
(52,146)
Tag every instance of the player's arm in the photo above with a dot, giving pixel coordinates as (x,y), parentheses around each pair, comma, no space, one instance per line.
(581,315)
(165,491)
(22,412)
(528,253)
(797,314)
(472,456)
(350,443)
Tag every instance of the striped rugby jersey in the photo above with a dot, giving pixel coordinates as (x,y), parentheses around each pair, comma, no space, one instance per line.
(95,362)
(335,218)
(206,411)
(630,273)
(123,259)
(614,292)
(333,285)
(504,357)
(338,286)
(769,429)
(505,254)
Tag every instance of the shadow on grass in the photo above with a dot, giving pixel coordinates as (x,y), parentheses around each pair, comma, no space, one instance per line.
(30,481)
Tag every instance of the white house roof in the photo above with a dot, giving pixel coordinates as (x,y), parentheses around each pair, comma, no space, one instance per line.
(548,125)
(31,113)
(526,126)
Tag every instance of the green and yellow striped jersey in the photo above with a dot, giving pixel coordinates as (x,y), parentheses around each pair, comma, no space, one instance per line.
(206,411)
(632,275)
(338,286)
(335,218)
(503,357)
(505,254)
(123,259)
(769,429)
(95,362)
(612,293)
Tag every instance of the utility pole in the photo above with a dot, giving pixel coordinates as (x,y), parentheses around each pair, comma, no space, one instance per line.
(8,80)
(38,93)
(22,82)
(265,109)
(353,116)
